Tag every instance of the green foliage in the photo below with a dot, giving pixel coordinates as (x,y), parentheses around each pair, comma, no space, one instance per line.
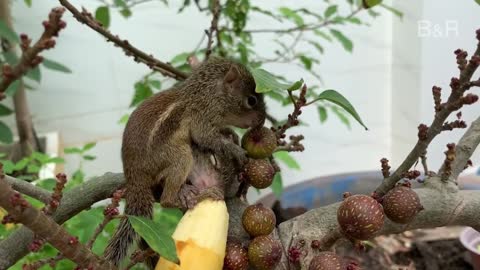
(50,64)
(78,175)
(156,237)
(277,185)
(6,135)
(287,159)
(371,3)
(335,97)
(34,74)
(102,14)
(4,110)
(7,33)
(33,164)
(346,42)
(12,88)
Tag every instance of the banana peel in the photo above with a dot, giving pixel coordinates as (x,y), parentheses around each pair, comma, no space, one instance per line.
(200,238)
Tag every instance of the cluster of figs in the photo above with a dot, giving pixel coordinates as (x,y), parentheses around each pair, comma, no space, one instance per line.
(263,251)
(360,217)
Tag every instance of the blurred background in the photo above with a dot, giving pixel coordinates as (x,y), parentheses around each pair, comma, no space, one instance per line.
(387,74)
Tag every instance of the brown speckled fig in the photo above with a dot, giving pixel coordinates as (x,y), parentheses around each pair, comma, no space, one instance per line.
(360,217)
(258,220)
(264,253)
(401,204)
(260,173)
(326,260)
(236,257)
(259,142)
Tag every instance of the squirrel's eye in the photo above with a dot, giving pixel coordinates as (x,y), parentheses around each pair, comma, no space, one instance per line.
(251,101)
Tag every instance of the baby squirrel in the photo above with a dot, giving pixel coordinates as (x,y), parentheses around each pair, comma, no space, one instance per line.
(157,140)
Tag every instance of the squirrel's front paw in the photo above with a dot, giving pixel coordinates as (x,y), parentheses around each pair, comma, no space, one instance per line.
(239,155)
(187,196)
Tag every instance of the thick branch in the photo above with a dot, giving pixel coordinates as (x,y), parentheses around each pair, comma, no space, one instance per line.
(48,229)
(73,202)
(130,50)
(465,148)
(27,188)
(442,207)
(455,101)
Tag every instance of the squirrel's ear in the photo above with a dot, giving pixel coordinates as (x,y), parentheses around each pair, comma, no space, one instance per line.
(232,75)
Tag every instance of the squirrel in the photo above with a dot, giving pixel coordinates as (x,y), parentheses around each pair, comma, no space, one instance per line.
(159,136)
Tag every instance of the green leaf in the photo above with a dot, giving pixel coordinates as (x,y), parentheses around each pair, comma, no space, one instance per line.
(370,3)
(317,46)
(8,33)
(330,11)
(168,218)
(28,2)
(346,42)
(12,88)
(50,64)
(20,165)
(277,185)
(88,146)
(55,160)
(8,166)
(89,157)
(322,35)
(72,150)
(265,81)
(126,12)
(322,113)
(286,158)
(6,135)
(47,184)
(40,157)
(354,20)
(34,74)
(342,116)
(102,14)
(398,13)
(296,85)
(180,58)
(155,237)
(124,119)
(291,15)
(307,62)
(4,110)
(155,84)
(11,58)
(2,155)
(142,92)
(478,1)
(336,98)
(32,168)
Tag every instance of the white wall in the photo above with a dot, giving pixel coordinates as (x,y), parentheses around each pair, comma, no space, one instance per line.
(388,78)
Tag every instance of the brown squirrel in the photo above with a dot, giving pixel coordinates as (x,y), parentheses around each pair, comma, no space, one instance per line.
(158,138)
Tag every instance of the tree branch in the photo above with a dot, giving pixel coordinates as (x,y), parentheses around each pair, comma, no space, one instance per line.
(139,56)
(29,189)
(30,54)
(465,148)
(442,208)
(213,27)
(426,134)
(73,202)
(305,27)
(48,229)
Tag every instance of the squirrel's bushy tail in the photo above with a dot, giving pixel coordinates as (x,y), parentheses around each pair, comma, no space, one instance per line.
(138,203)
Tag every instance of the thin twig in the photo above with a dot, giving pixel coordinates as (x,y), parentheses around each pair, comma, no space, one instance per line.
(213,27)
(423,157)
(305,27)
(139,56)
(426,134)
(30,54)
(27,188)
